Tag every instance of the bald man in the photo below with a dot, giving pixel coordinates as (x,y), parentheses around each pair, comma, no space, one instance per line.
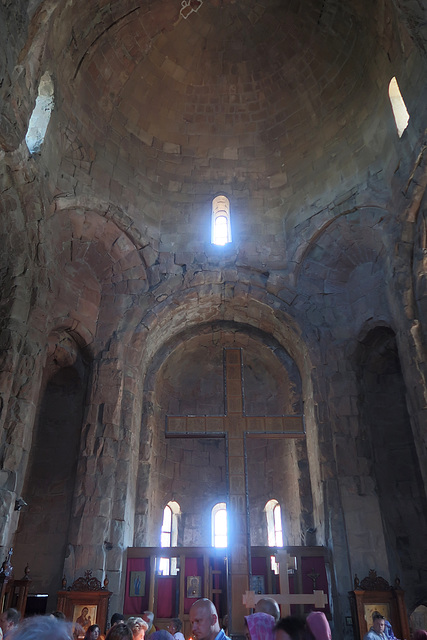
(204,621)
(270,606)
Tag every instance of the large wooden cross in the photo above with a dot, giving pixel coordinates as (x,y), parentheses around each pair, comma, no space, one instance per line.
(235,426)
(318,599)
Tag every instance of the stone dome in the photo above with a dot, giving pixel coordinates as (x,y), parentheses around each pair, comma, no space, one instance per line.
(278,100)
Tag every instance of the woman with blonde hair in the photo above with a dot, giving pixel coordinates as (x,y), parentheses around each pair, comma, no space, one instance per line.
(138,626)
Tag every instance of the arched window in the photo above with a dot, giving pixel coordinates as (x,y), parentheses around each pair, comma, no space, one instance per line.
(221,226)
(219,525)
(169,536)
(274,529)
(401,115)
(274,524)
(166,533)
(41,115)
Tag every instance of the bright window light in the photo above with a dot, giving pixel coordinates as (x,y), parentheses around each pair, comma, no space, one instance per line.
(164,566)
(400,113)
(221,226)
(41,115)
(278,534)
(219,525)
(165,539)
(221,231)
(274,565)
(274,523)
(166,533)
(169,537)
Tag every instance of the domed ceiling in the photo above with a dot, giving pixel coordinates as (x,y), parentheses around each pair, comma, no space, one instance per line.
(268,95)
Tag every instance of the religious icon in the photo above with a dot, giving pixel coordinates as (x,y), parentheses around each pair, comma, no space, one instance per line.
(137,584)
(84,615)
(194,587)
(369,609)
(257,584)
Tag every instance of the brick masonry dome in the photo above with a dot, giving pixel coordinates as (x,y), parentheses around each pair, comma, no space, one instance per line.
(254,95)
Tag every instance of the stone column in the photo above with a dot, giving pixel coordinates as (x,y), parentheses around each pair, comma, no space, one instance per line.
(21,366)
(350,510)
(103,510)
(22,351)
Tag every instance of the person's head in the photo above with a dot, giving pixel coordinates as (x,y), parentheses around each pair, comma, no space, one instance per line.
(174,626)
(120,631)
(268,605)
(117,618)
(259,626)
(46,627)
(8,620)
(318,625)
(378,623)
(59,615)
(289,628)
(148,616)
(204,620)
(161,634)
(419,634)
(93,632)
(138,626)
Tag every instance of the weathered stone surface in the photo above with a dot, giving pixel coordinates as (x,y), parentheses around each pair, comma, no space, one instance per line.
(115,306)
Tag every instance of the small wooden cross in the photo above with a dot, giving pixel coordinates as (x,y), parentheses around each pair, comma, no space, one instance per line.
(318,598)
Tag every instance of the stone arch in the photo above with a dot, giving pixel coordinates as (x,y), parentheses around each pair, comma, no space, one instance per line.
(343,270)
(42,533)
(418,617)
(385,441)
(94,252)
(320,226)
(208,297)
(197,355)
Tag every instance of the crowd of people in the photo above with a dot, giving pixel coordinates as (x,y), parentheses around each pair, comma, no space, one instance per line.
(264,624)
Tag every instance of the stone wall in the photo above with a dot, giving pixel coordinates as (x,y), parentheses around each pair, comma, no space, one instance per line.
(105,241)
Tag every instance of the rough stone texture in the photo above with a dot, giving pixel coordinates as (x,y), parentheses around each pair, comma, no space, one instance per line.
(115,307)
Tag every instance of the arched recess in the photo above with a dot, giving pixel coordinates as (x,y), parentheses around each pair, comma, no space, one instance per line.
(42,533)
(418,617)
(186,378)
(386,441)
(99,269)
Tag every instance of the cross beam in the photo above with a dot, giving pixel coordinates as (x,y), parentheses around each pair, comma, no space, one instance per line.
(318,598)
(236,426)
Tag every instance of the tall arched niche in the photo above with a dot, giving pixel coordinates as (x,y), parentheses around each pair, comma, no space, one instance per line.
(386,441)
(42,533)
(186,377)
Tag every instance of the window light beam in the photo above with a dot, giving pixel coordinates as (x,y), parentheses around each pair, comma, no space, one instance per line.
(221,225)
(400,112)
